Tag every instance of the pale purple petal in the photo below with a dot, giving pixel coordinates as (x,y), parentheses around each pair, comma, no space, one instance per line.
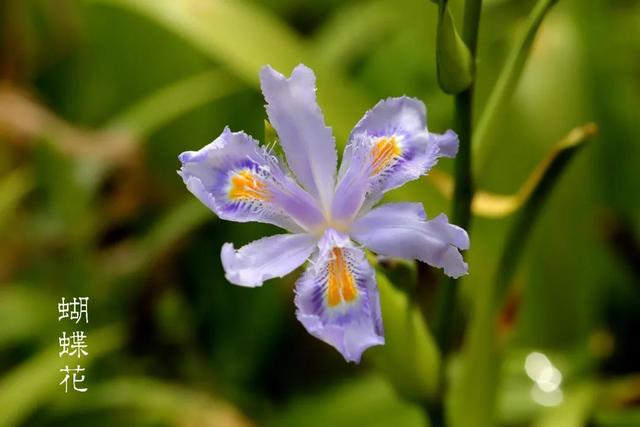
(269,257)
(337,297)
(447,143)
(353,186)
(402,113)
(308,144)
(240,181)
(394,137)
(402,230)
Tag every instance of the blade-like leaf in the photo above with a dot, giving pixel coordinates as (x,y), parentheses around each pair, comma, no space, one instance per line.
(164,105)
(244,37)
(493,205)
(410,357)
(507,82)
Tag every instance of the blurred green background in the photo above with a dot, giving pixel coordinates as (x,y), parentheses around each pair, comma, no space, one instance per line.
(97,99)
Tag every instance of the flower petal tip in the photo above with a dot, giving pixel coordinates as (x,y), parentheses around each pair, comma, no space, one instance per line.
(301,76)
(350,342)
(400,230)
(457,270)
(355,354)
(447,143)
(266,258)
(233,272)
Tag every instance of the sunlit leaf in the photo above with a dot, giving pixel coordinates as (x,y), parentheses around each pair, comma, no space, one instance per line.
(507,81)
(493,205)
(353,29)
(166,104)
(244,37)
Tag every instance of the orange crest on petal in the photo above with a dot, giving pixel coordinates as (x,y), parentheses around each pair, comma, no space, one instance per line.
(341,284)
(244,185)
(384,151)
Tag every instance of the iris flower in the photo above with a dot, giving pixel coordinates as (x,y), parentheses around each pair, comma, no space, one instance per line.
(329,216)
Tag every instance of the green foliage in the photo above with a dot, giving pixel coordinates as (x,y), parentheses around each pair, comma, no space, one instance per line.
(410,357)
(367,400)
(100,96)
(39,375)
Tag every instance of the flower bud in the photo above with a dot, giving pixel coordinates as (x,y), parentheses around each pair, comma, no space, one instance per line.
(454,61)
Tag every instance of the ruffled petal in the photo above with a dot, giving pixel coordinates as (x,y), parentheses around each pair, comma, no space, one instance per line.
(391,146)
(269,257)
(308,144)
(402,230)
(337,297)
(240,181)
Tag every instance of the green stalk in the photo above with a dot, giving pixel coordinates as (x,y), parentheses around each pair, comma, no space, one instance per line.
(463,192)
(507,82)
(462,197)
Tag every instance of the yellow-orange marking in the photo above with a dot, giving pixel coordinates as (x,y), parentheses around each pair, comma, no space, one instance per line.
(385,150)
(341,286)
(244,185)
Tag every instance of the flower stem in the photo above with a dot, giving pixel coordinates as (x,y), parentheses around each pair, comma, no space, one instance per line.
(462,197)
(463,192)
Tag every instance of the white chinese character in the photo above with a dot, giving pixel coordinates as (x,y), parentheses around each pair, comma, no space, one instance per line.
(79,308)
(75,378)
(64,343)
(63,309)
(77,344)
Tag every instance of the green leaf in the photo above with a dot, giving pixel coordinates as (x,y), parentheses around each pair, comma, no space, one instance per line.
(409,358)
(352,30)
(474,390)
(492,205)
(140,255)
(166,104)
(507,82)
(244,37)
(366,401)
(155,399)
(241,34)
(24,313)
